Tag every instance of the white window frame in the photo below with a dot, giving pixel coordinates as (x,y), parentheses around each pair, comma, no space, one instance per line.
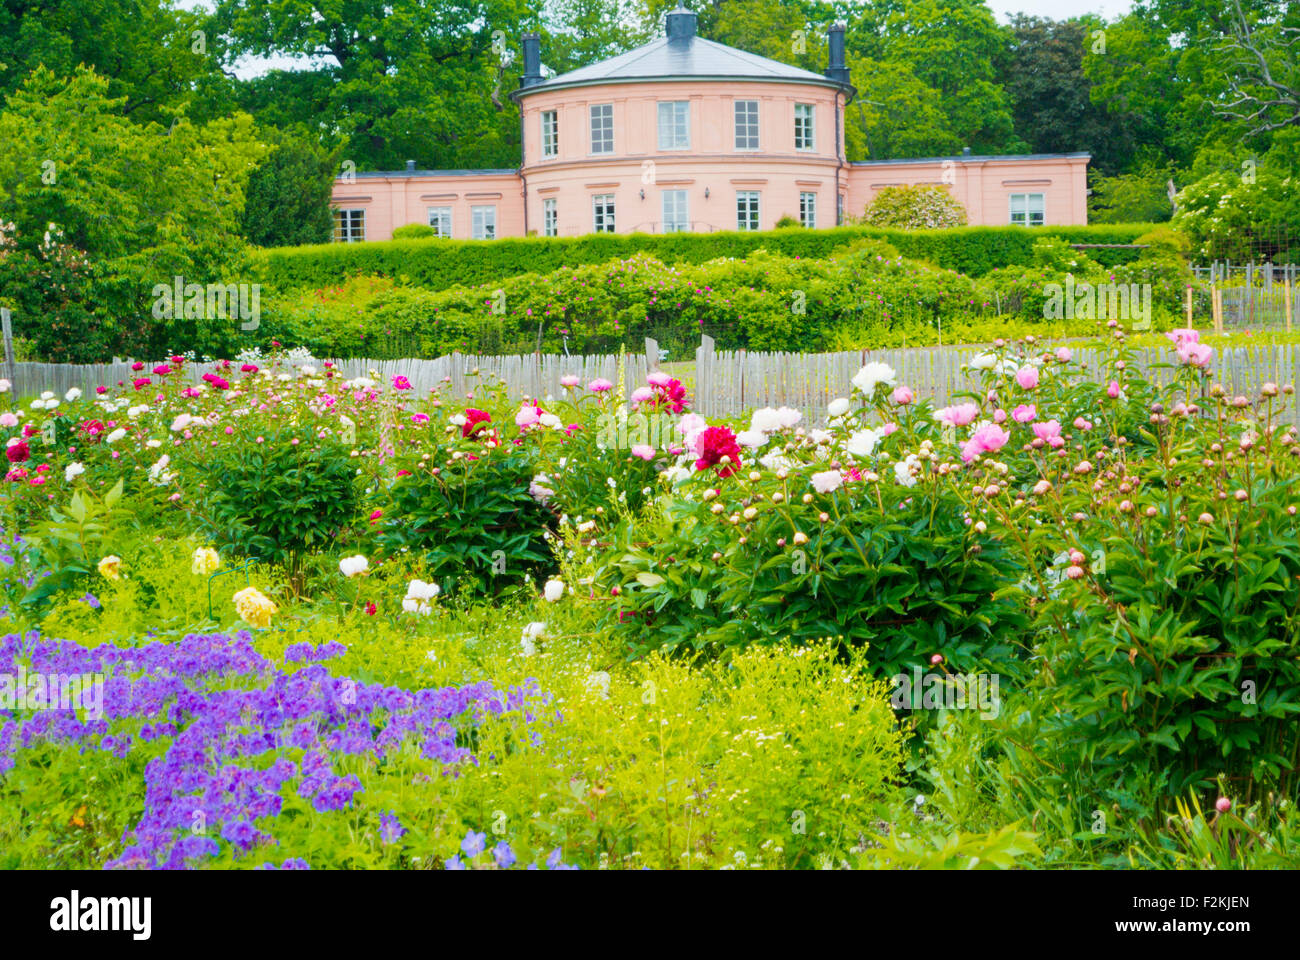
(602,114)
(1025,201)
(550,217)
(749,123)
(674,117)
(602,213)
(550,134)
(805,126)
(348,222)
(681,199)
(483,221)
(748,209)
(808,209)
(438,216)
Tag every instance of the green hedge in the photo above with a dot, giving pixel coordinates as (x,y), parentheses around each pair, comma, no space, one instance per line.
(442,264)
(867,295)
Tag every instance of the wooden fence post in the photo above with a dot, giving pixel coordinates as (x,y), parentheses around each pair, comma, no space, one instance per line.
(651,355)
(9,350)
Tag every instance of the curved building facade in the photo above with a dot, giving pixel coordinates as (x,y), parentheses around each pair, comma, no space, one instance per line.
(684,134)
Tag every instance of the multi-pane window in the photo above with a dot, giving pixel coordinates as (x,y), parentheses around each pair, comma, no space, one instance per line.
(550,218)
(676,218)
(1027,209)
(440,220)
(839,210)
(808,209)
(746,124)
(602,128)
(484,222)
(349,226)
(804,138)
(746,209)
(602,213)
(550,134)
(675,125)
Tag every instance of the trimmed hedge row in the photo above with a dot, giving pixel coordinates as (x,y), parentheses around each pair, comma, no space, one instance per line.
(442,264)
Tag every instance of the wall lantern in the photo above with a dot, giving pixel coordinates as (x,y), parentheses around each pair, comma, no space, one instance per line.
(643,193)
(706,193)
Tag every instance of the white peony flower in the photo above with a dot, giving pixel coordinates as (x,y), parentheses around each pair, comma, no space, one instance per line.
(351,566)
(985,361)
(872,375)
(751,438)
(826,482)
(554,589)
(115,436)
(598,683)
(838,407)
(72,471)
(903,470)
(73,395)
(862,443)
(181,422)
(418,595)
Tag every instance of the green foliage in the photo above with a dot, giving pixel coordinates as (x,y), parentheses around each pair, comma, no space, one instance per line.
(413,231)
(972,250)
(473,524)
(100,209)
(923,207)
(288,200)
(281,498)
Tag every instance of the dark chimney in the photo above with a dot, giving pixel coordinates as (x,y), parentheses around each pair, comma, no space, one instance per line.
(837,70)
(681,24)
(532,61)
(965,151)
(410,166)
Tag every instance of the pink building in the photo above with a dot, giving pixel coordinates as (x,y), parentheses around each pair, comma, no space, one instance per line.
(687,134)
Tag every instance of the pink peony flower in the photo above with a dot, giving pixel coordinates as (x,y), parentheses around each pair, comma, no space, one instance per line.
(1183,335)
(374,517)
(1024,413)
(658,379)
(1112,389)
(600,385)
(1049,431)
(527,416)
(644,451)
(1027,377)
(1195,354)
(1082,424)
(141,382)
(958,415)
(986,439)
(569,381)
(999,415)
(1064,354)
(903,395)
(162,369)
(641,395)
(401,383)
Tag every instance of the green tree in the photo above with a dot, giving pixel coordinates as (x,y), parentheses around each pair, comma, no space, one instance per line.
(424,80)
(895,115)
(100,209)
(288,196)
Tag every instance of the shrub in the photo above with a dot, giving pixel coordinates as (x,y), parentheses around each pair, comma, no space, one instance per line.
(414,231)
(920,207)
(278,499)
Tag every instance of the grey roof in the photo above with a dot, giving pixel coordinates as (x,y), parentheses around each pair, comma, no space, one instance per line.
(968,158)
(691,58)
(434,173)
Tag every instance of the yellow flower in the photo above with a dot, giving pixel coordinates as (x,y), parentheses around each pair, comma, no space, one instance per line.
(255,609)
(205,561)
(108,567)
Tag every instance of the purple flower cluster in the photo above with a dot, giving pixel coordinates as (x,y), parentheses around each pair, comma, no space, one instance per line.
(221,771)
(502,855)
(306,653)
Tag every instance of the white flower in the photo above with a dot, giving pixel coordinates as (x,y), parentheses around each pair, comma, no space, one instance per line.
(13,441)
(985,361)
(529,646)
(838,407)
(73,395)
(675,474)
(903,470)
(535,629)
(872,375)
(826,482)
(116,435)
(530,636)
(551,420)
(598,683)
(5,385)
(751,438)
(307,371)
(418,595)
(821,436)
(153,444)
(47,395)
(764,420)
(538,489)
(457,420)
(137,410)
(51,404)
(553,590)
(72,471)
(37,405)
(862,443)
(351,566)
(158,473)
(181,422)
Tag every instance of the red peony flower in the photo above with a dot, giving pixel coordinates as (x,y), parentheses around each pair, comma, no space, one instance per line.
(473,419)
(714,446)
(18,452)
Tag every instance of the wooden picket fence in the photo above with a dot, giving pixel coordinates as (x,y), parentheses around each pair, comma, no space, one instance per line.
(730,383)
(524,376)
(726,383)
